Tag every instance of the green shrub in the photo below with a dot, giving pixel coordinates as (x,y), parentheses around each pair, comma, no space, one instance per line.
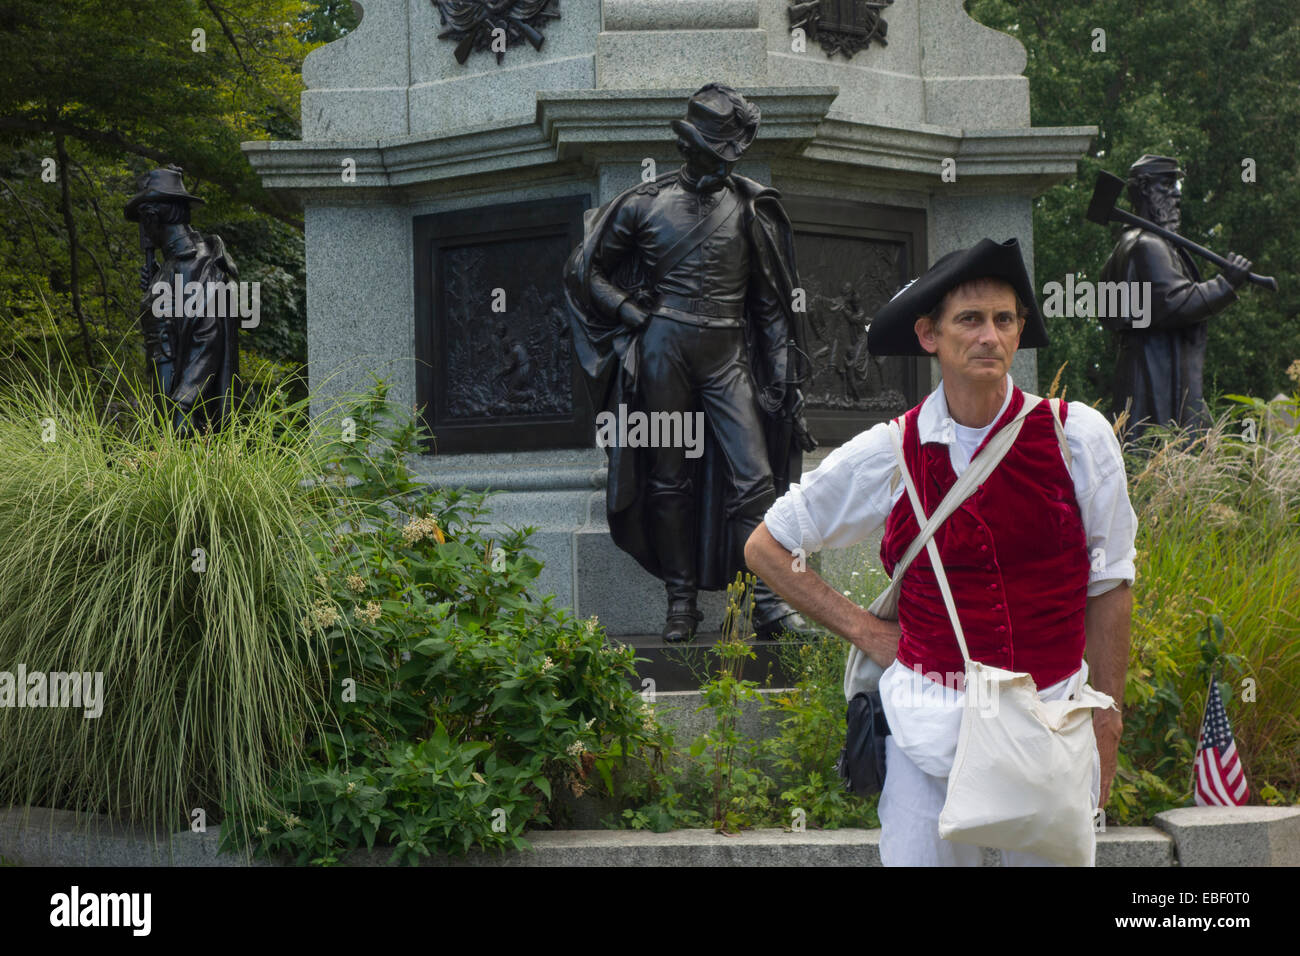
(731,781)
(460,700)
(811,728)
(738,790)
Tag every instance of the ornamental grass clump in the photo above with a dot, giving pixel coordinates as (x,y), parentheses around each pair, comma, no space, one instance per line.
(182,571)
(1218,534)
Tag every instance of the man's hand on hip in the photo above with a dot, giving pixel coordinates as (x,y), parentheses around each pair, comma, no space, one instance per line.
(878,638)
(807,592)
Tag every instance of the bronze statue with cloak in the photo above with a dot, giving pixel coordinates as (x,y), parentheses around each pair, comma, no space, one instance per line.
(681,300)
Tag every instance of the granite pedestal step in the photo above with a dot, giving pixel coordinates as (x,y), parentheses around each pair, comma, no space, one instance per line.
(677,667)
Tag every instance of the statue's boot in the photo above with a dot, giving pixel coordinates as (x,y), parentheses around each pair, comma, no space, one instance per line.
(674,545)
(682,621)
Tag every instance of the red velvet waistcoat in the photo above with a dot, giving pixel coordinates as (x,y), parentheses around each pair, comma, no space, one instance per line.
(1015,554)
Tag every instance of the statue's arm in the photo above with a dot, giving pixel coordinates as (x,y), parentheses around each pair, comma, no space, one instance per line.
(772,334)
(202,360)
(618,239)
(1177,301)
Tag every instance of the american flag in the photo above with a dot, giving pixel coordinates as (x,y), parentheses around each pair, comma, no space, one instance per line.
(1218,778)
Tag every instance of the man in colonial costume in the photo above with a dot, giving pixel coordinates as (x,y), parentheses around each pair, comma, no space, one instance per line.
(1039,558)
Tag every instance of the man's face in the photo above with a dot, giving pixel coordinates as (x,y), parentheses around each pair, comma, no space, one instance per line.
(977,332)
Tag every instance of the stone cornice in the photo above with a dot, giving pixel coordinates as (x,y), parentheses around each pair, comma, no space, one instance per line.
(574,121)
(588,126)
(1026,159)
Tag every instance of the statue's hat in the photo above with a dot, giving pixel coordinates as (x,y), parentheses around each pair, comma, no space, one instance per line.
(1152,165)
(891,331)
(160,184)
(720,121)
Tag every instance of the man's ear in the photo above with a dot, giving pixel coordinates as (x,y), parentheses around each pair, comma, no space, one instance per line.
(926,334)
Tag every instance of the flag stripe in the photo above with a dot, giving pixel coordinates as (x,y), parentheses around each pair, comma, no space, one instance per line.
(1242,790)
(1202,798)
(1218,776)
(1204,784)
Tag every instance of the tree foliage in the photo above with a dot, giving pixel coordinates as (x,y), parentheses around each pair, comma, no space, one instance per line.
(1211,83)
(92,95)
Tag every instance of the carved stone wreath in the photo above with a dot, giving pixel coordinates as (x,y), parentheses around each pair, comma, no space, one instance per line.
(841,26)
(476,24)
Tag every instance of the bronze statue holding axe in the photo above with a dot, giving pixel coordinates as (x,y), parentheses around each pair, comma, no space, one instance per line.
(1159,370)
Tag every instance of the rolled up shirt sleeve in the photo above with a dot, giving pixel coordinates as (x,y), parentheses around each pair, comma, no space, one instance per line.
(843,501)
(1101,489)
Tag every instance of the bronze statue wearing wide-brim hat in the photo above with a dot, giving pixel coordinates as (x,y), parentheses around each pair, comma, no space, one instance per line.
(892,330)
(720,121)
(161,184)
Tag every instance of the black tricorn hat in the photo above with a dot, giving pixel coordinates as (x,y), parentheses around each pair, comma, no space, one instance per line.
(892,329)
(720,121)
(161,184)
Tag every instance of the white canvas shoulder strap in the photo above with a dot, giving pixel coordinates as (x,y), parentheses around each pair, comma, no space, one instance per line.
(1055,404)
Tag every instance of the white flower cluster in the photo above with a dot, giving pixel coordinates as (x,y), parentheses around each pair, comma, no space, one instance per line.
(420,528)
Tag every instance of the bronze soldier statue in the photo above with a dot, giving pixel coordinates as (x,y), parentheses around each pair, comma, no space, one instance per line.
(1159,370)
(195,358)
(681,299)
